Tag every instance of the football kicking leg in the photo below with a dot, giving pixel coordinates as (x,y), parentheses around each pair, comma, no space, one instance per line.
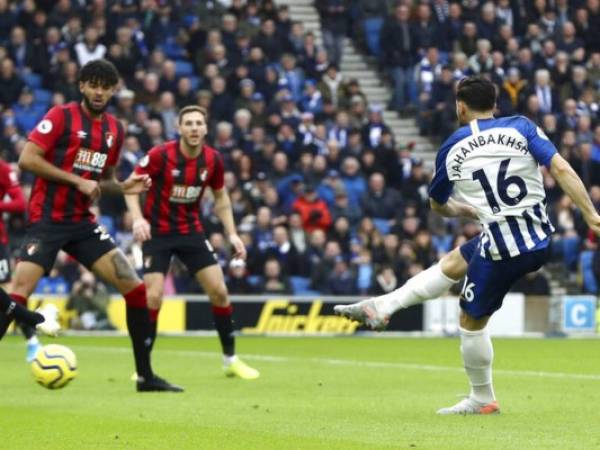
(431,283)
(27,274)
(114,268)
(212,281)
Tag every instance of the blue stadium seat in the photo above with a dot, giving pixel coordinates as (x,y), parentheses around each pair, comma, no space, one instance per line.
(54,285)
(300,286)
(184,68)
(586,261)
(382,225)
(194,82)
(42,96)
(172,49)
(32,80)
(254,280)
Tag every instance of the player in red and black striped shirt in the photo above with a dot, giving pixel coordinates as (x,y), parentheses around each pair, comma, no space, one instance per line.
(170,224)
(73,151)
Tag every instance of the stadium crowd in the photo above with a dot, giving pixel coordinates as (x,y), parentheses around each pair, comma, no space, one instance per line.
(325,198)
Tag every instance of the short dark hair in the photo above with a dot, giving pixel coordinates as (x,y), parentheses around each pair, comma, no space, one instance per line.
(477,92)
(192,108)
(100,71)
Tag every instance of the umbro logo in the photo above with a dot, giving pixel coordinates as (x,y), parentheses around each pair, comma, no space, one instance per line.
(82,134)
(175,172)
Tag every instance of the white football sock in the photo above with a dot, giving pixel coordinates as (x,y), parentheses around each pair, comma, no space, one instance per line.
(426,285)
(228,360)
(478,354)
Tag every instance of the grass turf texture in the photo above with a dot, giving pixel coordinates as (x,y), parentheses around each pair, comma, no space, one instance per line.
(313,393)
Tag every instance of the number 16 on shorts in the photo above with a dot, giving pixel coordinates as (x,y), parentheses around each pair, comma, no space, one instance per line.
(467,293)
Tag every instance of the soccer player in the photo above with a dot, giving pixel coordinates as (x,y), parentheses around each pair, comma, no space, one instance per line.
(73,152)
(12,200)
(170,224)
(493,164)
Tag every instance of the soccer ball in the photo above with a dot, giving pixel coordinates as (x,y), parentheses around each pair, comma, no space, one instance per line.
(54,366)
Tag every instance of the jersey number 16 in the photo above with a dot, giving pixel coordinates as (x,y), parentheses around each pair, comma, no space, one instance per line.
(502,184)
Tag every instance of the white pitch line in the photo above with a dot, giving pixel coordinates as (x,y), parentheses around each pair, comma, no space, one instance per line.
(356,363)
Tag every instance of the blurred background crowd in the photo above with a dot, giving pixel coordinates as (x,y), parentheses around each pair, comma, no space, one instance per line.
(325,198)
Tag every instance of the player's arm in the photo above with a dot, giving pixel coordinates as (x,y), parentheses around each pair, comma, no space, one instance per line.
(224,212)
(141,227)
(453,208)
(135,184)
(572,185)
(16,202)
(32,159)
(440,190)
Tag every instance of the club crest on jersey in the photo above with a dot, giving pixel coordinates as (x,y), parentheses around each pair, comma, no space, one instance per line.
(32,248)
(110,138)
(203,174)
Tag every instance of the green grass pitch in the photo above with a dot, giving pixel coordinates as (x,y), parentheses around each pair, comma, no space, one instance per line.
(329,393)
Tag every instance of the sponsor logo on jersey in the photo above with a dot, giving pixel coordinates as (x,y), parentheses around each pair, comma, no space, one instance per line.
(90,160)
(144,161)
(82,134)
(180,193)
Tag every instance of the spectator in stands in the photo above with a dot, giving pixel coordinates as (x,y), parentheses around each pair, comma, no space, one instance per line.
(90,48)
(384,282)
(334,20)
(341,280)
(372,13)
(399,44)
(237,281)
(314,211)
(274,281)
(11,83)
(89,300)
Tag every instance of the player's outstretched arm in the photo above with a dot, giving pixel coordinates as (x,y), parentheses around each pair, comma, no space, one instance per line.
(135,184)
(32,159)
(225,214)
(570,182)
(141,227)
(453,208)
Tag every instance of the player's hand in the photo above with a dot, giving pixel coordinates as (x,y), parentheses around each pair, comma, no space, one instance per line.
(90,188)
(239,249)
(141,230)
(136,184)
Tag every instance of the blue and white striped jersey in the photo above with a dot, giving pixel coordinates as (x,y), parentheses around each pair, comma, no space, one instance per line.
(493,165)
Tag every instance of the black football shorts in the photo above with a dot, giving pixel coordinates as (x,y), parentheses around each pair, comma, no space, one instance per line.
(193,250)
(86,242)
(4,264)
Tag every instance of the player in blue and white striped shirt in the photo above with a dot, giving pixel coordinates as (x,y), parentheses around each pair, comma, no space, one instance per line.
(487,170)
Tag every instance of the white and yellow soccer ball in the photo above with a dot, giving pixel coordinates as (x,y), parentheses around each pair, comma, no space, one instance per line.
(54,366)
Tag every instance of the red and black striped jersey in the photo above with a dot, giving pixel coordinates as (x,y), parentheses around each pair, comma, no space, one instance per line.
(172,204)
(75,142)
(9,185)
